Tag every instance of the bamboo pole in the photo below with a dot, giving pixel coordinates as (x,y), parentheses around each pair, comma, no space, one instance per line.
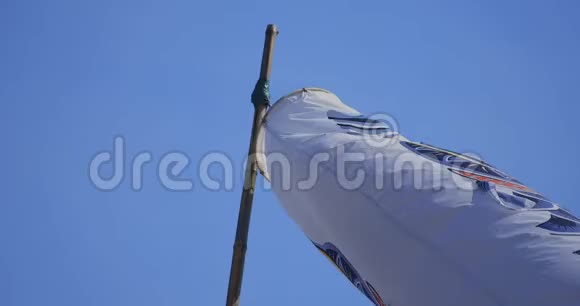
(260,99)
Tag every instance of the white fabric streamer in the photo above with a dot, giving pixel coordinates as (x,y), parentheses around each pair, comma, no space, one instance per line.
(411,224)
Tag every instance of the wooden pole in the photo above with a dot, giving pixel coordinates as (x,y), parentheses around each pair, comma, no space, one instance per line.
(260,99)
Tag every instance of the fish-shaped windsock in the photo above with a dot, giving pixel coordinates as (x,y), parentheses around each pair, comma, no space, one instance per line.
(411,224)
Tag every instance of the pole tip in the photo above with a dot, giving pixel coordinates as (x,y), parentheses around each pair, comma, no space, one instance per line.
(272,29)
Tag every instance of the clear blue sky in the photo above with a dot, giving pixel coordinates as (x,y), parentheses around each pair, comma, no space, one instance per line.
(499,78)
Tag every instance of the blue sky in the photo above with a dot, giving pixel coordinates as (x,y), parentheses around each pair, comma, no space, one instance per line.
(498,78)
